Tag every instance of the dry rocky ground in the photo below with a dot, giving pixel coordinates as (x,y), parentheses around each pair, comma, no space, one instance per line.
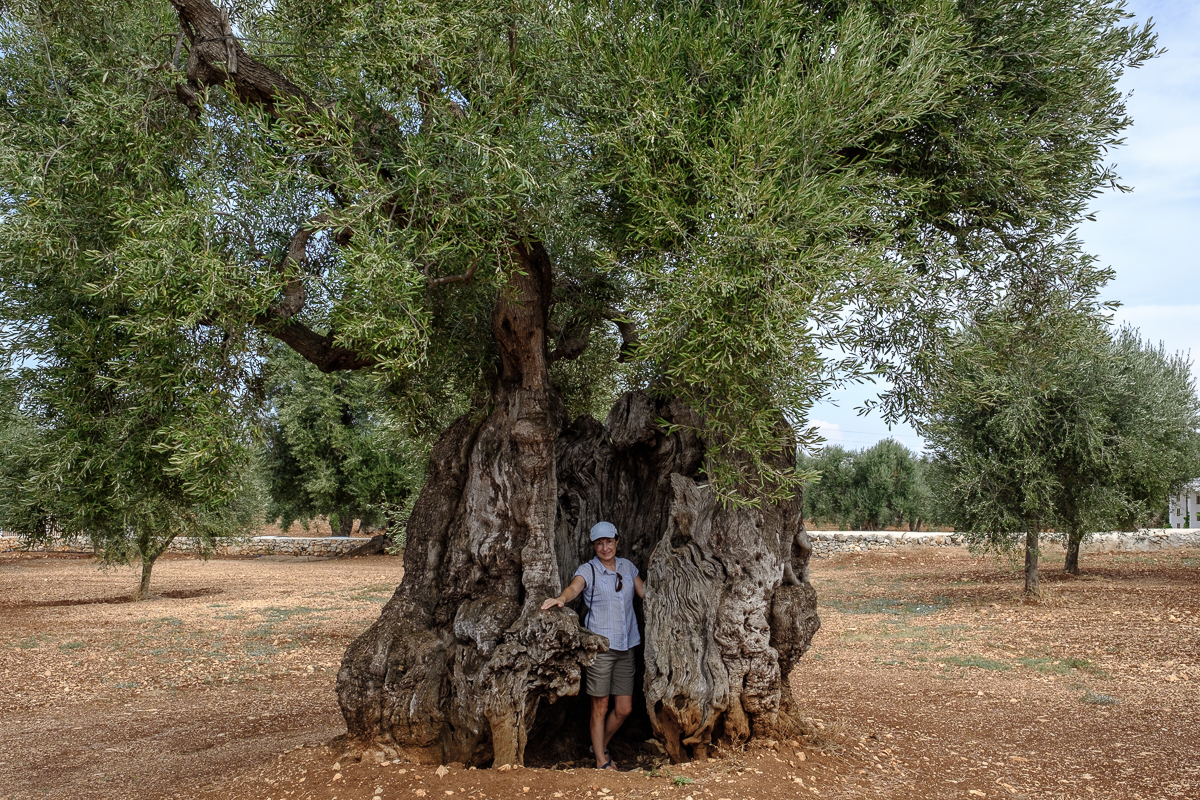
(929,679)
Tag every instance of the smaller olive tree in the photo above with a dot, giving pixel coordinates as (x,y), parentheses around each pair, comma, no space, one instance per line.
(1068,427)
(879,487)
(89,461)
(334,449)
(115,437)
(1152,445)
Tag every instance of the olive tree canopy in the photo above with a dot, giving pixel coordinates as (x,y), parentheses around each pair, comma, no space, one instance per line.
(1060,425)
(525,204)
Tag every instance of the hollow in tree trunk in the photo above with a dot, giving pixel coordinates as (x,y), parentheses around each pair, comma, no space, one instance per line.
(462,663)
(1033,585)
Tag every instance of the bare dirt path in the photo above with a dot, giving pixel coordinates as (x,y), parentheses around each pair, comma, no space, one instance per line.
(929,679)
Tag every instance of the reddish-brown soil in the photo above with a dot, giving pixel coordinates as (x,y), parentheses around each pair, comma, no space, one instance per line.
(930,678)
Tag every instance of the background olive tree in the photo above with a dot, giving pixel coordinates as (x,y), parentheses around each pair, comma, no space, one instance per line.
(882,486)
(1055,424)
(334,447)
(96,452)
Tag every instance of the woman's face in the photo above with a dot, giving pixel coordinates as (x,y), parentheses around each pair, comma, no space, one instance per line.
(605,548)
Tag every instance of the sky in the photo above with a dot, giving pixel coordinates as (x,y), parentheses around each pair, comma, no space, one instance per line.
(1150,236)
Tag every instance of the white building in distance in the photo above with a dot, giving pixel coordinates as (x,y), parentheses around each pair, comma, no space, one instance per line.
(1184,508)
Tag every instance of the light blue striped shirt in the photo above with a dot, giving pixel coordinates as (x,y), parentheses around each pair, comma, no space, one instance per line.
(611,614)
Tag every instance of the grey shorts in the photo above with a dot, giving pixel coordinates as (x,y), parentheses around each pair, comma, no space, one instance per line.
(612,673)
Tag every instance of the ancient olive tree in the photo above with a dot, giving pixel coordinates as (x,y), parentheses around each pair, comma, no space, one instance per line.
(532,205)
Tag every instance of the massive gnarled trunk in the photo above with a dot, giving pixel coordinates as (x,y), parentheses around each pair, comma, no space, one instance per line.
(728,608)
(462,659)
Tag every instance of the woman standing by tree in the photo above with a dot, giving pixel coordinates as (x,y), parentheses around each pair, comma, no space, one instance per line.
(610,583)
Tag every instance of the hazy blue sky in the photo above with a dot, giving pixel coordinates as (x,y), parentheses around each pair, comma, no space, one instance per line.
(1150,236)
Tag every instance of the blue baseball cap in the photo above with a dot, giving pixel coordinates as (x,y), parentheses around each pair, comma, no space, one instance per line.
(604,530)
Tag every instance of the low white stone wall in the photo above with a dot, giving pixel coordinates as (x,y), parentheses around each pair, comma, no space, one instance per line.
(823,542)
(254,546)
(827,542)
(1148,539)
(279,546)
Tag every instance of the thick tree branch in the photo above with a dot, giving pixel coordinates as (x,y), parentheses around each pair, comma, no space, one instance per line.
(290,269)
(463,278)
(629,337)
(217,58)
(572,344)
(315,348)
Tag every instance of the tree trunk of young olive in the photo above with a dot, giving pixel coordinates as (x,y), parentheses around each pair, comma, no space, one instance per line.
(1074,539)
(462,663)
(143,590)
(1033,584)
(149,549)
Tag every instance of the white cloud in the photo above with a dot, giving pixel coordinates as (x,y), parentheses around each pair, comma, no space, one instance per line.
(830,430)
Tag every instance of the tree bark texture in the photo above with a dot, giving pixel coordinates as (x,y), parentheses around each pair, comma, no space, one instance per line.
(461,660)
(143,590)
(1033,584)
(1074,540)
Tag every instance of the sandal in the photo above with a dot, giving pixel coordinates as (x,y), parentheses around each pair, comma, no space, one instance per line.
(610,765)
(592,752)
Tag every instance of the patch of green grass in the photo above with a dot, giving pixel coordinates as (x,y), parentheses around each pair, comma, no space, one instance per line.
(1083,665)
(919,644)
(376,588)
(889,605)
(29,643)
(174,622)
(1097,699)
(68,646)
(952,631)
(681,780)
(979,662)
(276,614)
(1048,666)
(371,594)
(1062,666)
(262,650)
(237,616)
(1189,562)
